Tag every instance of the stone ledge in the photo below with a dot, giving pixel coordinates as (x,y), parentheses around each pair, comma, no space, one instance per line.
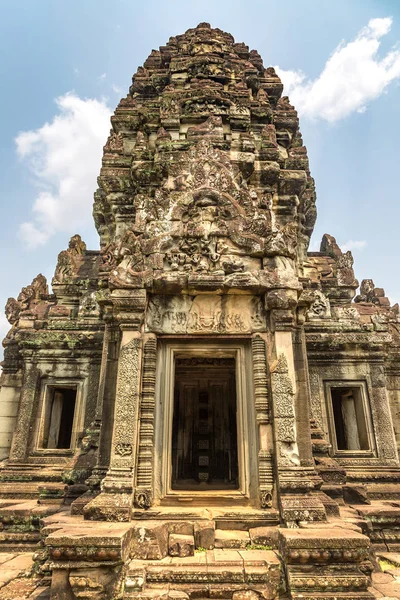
(106,542)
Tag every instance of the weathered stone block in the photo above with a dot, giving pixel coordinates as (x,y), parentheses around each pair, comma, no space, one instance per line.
(149,541)
(177,595)
(231,538)
(81,542)
(204,534)
(109,507)
(97,582)
(182,527)
(180,545)
(264,536)
(355,494)
(245,595)
(322,545)
(60,585)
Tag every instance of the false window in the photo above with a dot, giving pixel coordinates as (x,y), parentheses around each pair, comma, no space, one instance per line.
(350,418)
(59,413)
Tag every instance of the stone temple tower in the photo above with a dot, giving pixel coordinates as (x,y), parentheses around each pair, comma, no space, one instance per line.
(202,381)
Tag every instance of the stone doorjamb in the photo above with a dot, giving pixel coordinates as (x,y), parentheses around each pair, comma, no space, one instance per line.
(30,387)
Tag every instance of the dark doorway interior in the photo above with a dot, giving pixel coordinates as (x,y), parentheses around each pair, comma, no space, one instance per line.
(59,417)
(204,432)
(349,417)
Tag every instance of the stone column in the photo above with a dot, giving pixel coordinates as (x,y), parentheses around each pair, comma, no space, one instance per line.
(28,401)
(302,398)
(296,476)
(115,501)
(106,399)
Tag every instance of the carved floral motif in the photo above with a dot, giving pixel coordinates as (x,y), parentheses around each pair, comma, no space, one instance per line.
(123,449)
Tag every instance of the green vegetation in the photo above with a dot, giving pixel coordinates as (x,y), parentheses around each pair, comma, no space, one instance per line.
(258,547)
(387,565)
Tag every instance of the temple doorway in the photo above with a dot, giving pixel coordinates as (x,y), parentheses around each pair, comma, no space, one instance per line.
(204,425)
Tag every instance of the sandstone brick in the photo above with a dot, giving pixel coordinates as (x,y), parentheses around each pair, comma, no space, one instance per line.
(180,545)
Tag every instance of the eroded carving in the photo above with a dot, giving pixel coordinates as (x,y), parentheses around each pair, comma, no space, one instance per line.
(205,314)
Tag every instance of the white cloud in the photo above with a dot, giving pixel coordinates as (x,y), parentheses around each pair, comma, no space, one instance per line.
(352,77)
(353,245)
(314,245)
(117,89)
(4,326)
(102,77)
(64,157)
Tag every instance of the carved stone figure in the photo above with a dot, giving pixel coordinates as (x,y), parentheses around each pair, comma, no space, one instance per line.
(320,307)
(69,261)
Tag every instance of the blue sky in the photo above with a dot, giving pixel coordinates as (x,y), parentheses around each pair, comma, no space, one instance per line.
(65,65)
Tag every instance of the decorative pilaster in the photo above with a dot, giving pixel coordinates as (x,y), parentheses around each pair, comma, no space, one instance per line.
(265,465)
(115,501)
(126,411)
(30,387)
(296,482)
(144,478)
(284,416)
(382,416)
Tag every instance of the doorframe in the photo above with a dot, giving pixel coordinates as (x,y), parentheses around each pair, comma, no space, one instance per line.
(246,428)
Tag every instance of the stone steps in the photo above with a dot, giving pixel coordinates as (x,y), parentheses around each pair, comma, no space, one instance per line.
(215,573)
(324,563)
(51,491)
(383,518)
(224,517)
(21,524)
(336,596)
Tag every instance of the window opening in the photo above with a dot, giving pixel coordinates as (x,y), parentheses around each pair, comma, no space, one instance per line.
(349,418)
(59,417)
